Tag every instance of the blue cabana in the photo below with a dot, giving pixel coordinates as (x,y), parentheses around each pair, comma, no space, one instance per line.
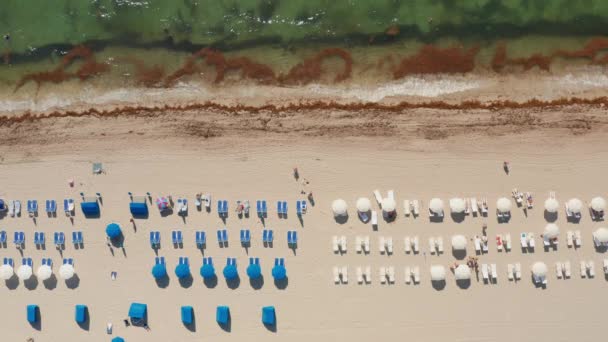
(81,313)
(182,271)
(90,209)
(230,272)
(279,272)
(207,271)
(222,314)
(187,315)
(118,339)
(138,311)
(268,315)
(32,313)
(138,209)
(113,230)
(254,271)
(159,271)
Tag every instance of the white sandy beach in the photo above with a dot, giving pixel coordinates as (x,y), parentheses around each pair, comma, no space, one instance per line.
(311,306)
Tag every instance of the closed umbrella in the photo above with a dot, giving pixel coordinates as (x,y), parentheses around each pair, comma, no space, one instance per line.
(551,231)
(437,273)
(551,205)
(598,204)
(459,242)
(6,272)
(230,272)
(388,205)
(457,205)
(159,271)
(364,204)
(207,271)
(436,205)
(24,272)
(462,272)
(601,235)
(575,205)
(503,205)
(339,207)
(279,272)
(44,272)
(113,230)
(66,271)
(254,271)
(539,269)
(182,271)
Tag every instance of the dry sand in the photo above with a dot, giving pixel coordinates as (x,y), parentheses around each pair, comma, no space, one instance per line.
(420,154)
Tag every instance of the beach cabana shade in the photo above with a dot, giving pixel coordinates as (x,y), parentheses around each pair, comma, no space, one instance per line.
(459,242)
(138,311)
(551,205)
(457,205)
(222,314)
(187,314)
(462,272)
(503,205)
(138,209)
(118,339)
(90,207)
(159,271)
(551,231)
(254,271)
(44,272)
(598,204)
(279,272)
(601,235)
(113,230)
(32,313)
(575,205)
(269,316)
(437,273)
(80,314)
(389,205)
(24,272)
(66,271)
(539,269)
(230,272)
(436,205)
(207,271)
(364,204)
(339,207)
(162,203)
(6,272)
(182,271)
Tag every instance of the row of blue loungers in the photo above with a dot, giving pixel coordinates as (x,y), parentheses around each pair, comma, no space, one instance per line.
(222,238)
(40,238)
(50,206)
(262,208)
(207,270)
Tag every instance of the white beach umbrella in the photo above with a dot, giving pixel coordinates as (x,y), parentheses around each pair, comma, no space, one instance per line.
(24,272)
(457,205)
(66,271)
(598,204)
(389,205)
(459,242)
(539,269)
(503,205)
(436,205)
(575,205)
(339,207)
(44,272)
(364,204)
(551,205)
(551,231)
(437,273)
(601,235)
(462,272)
(6,272)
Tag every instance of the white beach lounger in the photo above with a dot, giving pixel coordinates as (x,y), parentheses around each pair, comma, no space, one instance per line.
(499,242)
(546,243)
(374,219)
(368,274)
(406,207)
(17,207)
(568,212)
(484,272)
(583,269)
(408,275)
(467,206)
(605,266)
(366,244)
(358,244)
(344,274)
(334,244)
(508,242)
(474,207)
(416,274)
(432,245)
(510,271)
(359,275)
(439,242)
(378,197)
(416,208)
(336,275)
(408,244)
(569,238)
(494,272)
(578,242)
(567,270)
(343,244)
(416,245)
(591,268)
(477,245)
(381,244)
(389,245)
(517,271)
(558,270)
(524,240)
(484,247)
(109,328)
(382,275)
(531,241)
(390,272)
(391,194)
(11,208)
(484,206)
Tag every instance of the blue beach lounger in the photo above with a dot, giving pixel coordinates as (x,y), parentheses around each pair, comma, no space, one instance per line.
(32,313)
(201,239)
(32,206)
(219,237)
(208,261)
(155,239)
(81,314)
(68,206)
(225,235)
(27,261)
(222,315)
(39,238)
(261,208)
(187,315)
(268,315)
(19,238)
(2,237)
(8,261)
(51,206)
(77,237)
(68,261)
(59,238)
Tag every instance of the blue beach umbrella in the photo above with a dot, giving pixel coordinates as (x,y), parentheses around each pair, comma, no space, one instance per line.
(230,272)
(159,271)
(113,230)
(279,272)
(182,271)
(207,271)
(118,339)
(254,271)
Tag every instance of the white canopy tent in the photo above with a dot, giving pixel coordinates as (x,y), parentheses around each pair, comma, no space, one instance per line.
(459,242)
(436,205)
(457,205)
(462,272)
(437,273)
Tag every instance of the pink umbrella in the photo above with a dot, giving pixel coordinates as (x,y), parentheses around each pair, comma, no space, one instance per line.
(162,203)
